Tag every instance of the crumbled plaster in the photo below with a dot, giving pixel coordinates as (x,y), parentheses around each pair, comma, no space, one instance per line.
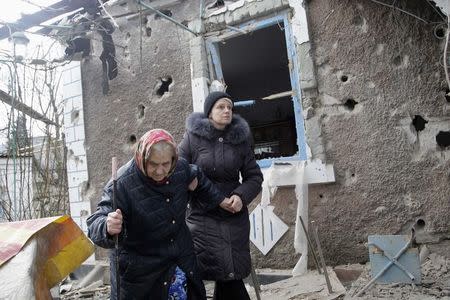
(299,22)
(241,11)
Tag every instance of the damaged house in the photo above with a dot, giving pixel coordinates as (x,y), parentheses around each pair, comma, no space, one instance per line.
(355,89)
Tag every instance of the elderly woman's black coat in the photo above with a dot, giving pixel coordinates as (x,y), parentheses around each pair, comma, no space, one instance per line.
(155,238)
(221,239)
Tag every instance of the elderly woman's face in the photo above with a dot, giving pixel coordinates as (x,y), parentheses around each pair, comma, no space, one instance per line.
(159,164)
(221,113)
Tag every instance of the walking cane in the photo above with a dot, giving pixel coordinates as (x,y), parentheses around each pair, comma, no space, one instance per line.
(116,237)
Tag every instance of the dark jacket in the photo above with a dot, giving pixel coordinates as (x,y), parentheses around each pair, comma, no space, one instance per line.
(221,239)
(155,237)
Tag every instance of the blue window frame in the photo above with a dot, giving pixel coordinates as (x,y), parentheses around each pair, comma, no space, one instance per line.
(216,68)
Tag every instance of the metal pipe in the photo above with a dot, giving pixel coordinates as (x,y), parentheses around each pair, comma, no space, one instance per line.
(256,285)
(316,261)
(244,103)
(166,17)
(319,249)
(278,95)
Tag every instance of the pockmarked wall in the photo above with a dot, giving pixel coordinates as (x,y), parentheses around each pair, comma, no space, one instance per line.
(152,89)
(379,71)
(371,78)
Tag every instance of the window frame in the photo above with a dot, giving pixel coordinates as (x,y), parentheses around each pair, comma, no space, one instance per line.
(215,66)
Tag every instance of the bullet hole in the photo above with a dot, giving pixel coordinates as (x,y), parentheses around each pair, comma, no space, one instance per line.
(397,61)
(447,95)
(353,175)
(166,12)
(443,139)
(141,111)
(148,31)
(419,123)
(74,116)
(350,104)
(128,35)
(164,87)
(344,78)
(320,196)
(420,224)
(132,139)
(439,31)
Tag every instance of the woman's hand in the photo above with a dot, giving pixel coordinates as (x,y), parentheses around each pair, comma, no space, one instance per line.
(114,222)
(236,203)
(226,204)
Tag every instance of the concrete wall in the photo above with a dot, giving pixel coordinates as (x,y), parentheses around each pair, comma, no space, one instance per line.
(132,107)
(387,175)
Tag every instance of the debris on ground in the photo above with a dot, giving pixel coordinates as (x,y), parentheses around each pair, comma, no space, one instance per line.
(277,284)
(435,283)
(310,286)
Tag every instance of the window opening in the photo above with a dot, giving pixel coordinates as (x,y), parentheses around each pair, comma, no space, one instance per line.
(255,66)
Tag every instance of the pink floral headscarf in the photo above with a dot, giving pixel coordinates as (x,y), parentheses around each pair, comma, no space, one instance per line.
(145,144)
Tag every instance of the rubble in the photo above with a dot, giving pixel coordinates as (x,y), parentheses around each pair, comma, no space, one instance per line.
(279,284)
(435,283)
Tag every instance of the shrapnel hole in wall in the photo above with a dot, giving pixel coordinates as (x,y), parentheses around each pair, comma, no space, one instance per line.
(440,31)
(344,78)
(74,116)
(132,139)
(164,85)
(148,31)
(420,223)
(350,104)
(419,123)
(443,139)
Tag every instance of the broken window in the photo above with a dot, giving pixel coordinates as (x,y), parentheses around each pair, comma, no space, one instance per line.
(255,68)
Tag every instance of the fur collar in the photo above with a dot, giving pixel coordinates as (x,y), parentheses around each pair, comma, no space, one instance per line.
(235,133)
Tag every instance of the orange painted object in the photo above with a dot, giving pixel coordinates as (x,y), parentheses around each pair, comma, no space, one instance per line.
(40,253)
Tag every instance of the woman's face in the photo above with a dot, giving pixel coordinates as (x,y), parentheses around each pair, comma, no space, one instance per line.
(221,113)
(159,165)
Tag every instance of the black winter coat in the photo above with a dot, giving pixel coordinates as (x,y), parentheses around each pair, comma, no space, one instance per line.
(221,239)
(155,238)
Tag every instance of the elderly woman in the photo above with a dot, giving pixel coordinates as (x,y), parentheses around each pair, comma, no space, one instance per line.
(220,143)
(152,195)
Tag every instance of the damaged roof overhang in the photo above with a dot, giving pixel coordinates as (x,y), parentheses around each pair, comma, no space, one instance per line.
(53,11)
